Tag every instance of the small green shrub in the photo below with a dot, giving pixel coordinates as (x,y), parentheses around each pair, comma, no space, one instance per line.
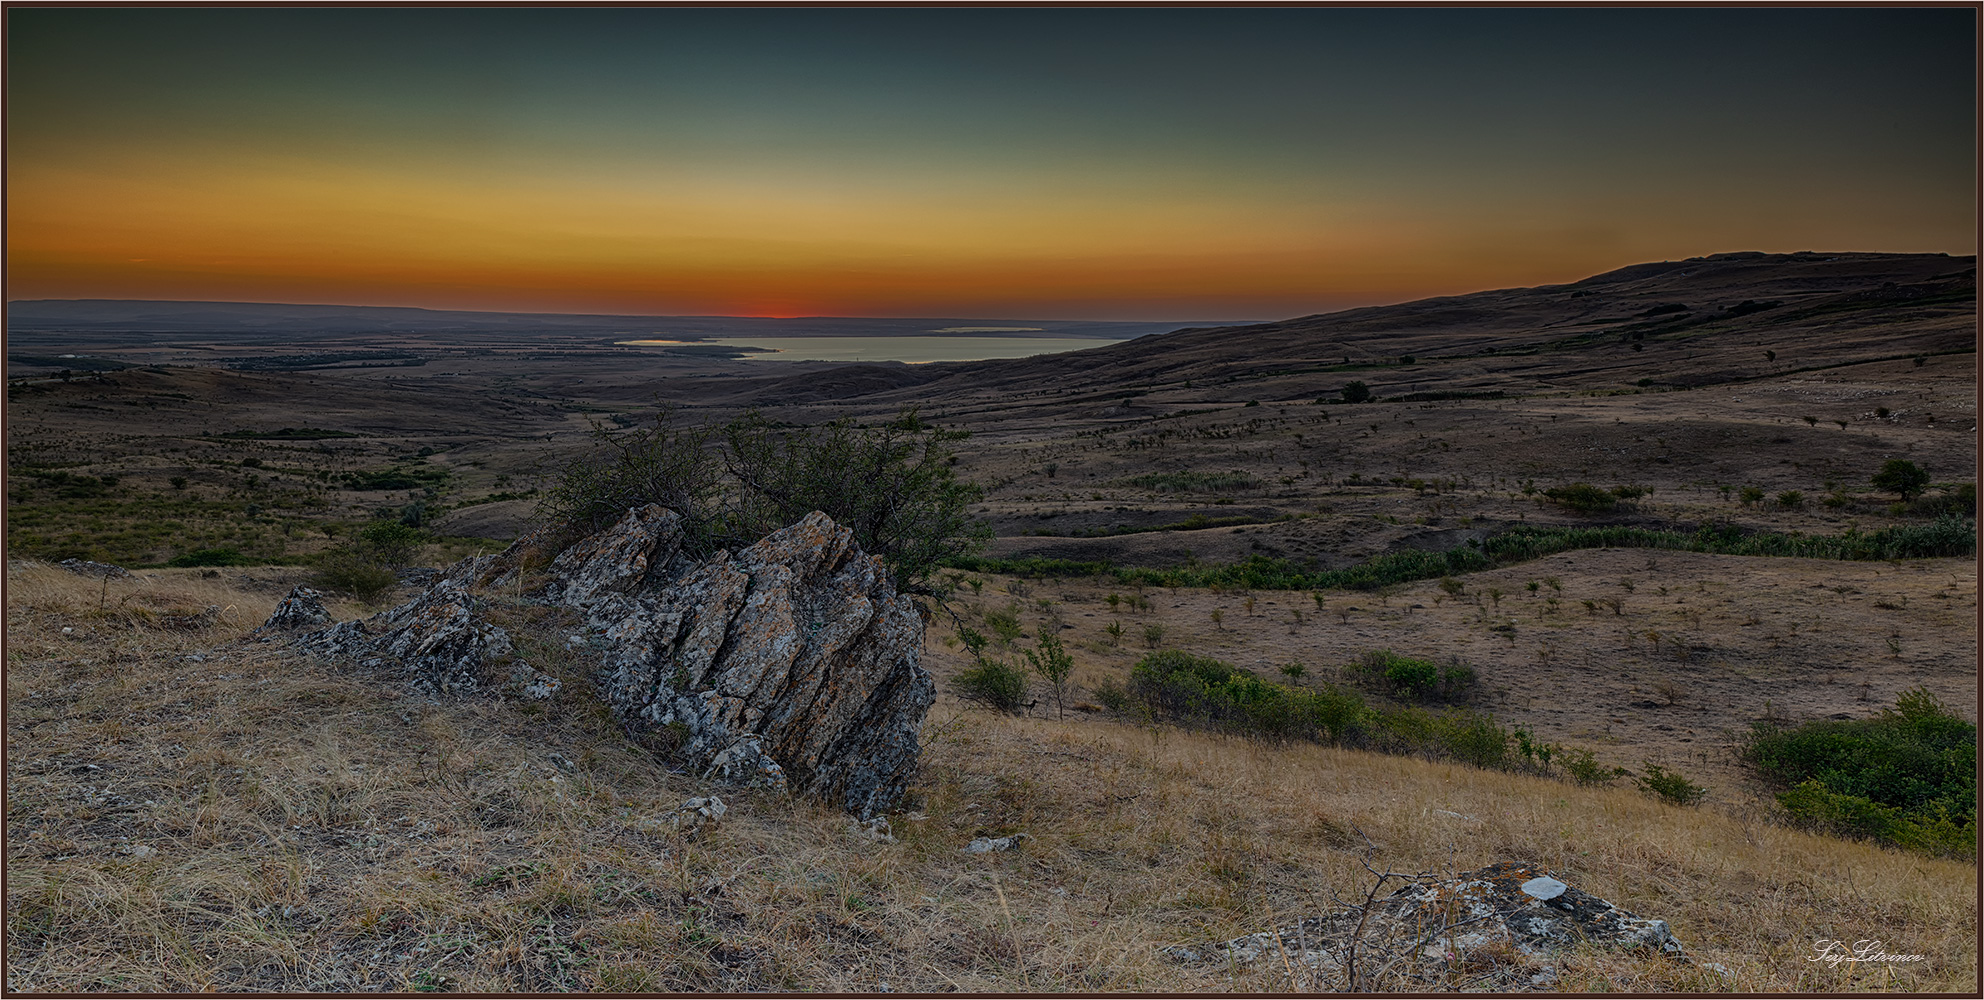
(1005,623)
(1791,498)
(1583,767)
(351,573)
(1669,785)
(1583,498)
(1415,680)
(391,542)
(1215,694)
(892,484)
(1931,831)
(1534,752)
(1115,698)
(1052,662)
(1473,738)
(995,683)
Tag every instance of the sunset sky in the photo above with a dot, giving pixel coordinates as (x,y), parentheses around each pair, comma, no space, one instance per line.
(1043,163)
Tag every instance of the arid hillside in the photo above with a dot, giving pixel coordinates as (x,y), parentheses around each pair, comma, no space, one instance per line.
(1705,321)
(1686,452)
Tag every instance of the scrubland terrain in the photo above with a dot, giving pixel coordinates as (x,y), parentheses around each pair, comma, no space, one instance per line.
(254,820)
(190,817)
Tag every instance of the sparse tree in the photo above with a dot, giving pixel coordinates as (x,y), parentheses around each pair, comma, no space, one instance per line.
(1051,661)
(1901,477)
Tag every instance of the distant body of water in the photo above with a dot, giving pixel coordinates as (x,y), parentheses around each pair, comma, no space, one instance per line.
(914,350)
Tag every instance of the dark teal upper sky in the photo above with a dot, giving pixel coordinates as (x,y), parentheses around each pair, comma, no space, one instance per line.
(1146,163)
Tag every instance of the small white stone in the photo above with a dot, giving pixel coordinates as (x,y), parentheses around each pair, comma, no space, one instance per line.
(1544,887)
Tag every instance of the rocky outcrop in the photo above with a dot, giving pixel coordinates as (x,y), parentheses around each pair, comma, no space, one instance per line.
(437,641)
(793,660)
(617,560)
(300,608)
(1510,920)
(790,664)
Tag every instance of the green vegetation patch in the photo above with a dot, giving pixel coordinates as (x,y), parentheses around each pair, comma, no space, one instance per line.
(1194,482)
(1415,680)
(1213,694)
(1946,536)
(1906,778)
(1207,693)
(412,478)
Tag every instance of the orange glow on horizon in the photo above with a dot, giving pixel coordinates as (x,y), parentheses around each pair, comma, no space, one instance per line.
(183,227)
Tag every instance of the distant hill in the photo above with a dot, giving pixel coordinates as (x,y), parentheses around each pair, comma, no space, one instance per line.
(1700,321)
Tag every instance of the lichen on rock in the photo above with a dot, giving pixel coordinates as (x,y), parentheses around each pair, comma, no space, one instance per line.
(799,640)
(1510,910)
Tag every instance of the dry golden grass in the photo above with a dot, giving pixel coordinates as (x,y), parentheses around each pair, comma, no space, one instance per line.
(257,821)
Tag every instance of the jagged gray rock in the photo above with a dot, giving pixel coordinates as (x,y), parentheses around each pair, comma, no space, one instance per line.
(300,608)
(437,641)
(798,640)
(87,568)
(617,560)
(791,664)
(1510,910)
(698,815)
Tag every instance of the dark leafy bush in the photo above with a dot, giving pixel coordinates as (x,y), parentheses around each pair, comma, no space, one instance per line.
(349,572)
(1669,785)
(1588,499)
(1215,694)
(1583,767)
(996,684)
(1415,680)
(1901,477)
(390,543)
(993,683)
(1906,777)
(1931,831)
(891,484)
(1582,497)
(1453,734)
